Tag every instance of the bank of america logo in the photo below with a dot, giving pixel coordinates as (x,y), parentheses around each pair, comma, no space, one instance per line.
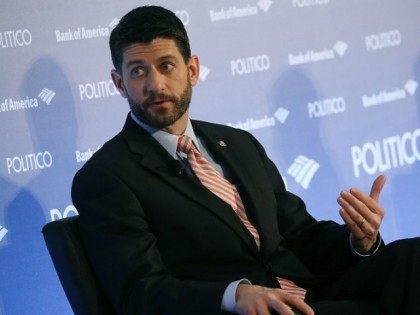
(3,232)
(46,95)
(265,5)
(340,47)
(114,23)
(204,72)
(411,86)
(303,170)
(281,114)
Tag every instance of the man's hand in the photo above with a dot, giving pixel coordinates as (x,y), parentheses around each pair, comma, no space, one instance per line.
(363,214)
(257,300)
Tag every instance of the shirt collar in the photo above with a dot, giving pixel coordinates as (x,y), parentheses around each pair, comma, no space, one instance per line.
(167,140)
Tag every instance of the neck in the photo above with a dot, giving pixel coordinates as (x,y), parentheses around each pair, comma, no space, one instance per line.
(178,127)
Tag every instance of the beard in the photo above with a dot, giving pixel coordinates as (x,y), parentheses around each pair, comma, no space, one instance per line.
(161,117)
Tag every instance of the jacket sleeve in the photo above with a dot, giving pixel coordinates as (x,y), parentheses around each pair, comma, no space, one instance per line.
(322,245)
(123,252)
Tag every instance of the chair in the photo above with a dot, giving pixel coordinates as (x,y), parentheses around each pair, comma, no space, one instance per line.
(73,268)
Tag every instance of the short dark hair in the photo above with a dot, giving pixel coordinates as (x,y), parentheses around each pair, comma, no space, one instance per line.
(143,25)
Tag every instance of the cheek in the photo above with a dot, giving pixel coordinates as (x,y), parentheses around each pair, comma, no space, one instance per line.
(179,83)
(134,90)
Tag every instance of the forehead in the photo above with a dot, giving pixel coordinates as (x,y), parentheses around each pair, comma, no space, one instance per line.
(149,52)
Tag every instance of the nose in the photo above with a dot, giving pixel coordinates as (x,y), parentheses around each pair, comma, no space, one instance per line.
(155,82)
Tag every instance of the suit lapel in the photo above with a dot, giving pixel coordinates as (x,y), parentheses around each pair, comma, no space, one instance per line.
(155,158)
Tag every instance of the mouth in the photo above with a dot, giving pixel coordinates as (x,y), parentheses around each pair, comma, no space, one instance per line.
(160,103)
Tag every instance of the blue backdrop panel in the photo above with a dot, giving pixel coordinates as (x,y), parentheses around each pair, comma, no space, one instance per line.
(329,87)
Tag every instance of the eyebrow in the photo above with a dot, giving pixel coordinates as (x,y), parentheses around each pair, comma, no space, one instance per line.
(140,61)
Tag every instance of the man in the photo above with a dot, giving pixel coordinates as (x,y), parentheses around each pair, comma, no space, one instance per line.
(188,217)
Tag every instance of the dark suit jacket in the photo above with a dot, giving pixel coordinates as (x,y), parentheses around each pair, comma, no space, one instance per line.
(161,243)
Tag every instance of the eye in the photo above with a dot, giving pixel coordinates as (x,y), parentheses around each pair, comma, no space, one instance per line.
(167,66)
(137,72)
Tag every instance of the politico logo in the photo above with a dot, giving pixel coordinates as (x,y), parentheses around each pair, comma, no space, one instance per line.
(326,107)
(249,65)
(303,170)
(56,214)
(184,16)
(311,56)
(308,3)
(15,38)
(383,40)
(389,153)
(386,96)
(29,162)
(3,232)
(234,12)
(96,90)
(85,33)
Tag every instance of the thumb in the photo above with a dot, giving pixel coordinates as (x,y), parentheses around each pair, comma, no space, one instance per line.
(377,186)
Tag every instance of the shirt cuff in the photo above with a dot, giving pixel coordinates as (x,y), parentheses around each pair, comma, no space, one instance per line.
(229,297)
(370,252)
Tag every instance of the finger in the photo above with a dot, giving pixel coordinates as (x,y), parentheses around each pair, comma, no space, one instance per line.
(262,309)
(276,301)
(364,205)
(371,203)
(281,308)
(299,304)
(351,224)
(354,207)
(377,186)
(364,221)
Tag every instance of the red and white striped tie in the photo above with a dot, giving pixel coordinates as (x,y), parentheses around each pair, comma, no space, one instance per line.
(222,188)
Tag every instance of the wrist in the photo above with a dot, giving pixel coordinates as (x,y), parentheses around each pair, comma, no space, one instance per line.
(366,246)
(241,289)
(229,296)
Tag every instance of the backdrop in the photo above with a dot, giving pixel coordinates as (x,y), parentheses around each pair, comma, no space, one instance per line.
(330,87)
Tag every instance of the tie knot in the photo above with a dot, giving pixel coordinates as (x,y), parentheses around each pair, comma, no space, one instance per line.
(185,144)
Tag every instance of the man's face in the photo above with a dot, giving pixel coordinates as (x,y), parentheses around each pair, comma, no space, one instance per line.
(157,82)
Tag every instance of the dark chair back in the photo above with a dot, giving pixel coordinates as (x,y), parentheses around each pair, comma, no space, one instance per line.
(73,268)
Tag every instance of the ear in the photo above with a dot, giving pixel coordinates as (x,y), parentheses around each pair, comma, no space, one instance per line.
(119,83)
(194,69)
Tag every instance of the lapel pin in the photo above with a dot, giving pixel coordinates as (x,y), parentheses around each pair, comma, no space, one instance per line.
(222,143)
